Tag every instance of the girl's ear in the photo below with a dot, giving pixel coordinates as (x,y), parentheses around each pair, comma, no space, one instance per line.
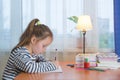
(33,40)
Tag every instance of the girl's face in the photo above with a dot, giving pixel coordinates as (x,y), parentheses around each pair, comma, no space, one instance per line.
(41,45)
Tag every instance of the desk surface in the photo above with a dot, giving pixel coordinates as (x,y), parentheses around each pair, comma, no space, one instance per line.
(72,74)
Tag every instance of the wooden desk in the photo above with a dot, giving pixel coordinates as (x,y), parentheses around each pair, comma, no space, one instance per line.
(72,74)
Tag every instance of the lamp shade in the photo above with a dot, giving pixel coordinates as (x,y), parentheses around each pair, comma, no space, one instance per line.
(84,23)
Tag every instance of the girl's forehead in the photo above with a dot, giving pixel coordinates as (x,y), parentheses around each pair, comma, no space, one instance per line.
(46,40)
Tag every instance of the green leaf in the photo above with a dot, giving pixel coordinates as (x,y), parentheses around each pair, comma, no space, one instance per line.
(74,19)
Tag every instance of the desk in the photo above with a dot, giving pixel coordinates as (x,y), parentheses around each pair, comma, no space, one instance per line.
(72,74)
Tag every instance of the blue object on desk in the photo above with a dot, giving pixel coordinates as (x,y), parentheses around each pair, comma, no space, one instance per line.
(71,65)
(118,60)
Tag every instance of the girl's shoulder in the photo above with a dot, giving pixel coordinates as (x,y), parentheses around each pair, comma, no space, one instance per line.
(20,50)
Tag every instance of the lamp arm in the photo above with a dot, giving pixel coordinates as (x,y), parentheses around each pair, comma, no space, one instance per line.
(84,32)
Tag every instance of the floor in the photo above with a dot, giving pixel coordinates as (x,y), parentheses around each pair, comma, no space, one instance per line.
(66,56)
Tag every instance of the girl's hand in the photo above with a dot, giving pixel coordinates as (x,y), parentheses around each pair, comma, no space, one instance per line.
(56,63)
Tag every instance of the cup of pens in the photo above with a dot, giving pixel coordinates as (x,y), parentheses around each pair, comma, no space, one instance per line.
(54,55)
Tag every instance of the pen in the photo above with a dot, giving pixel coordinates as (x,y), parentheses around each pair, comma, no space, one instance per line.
(55,54)
(96,69)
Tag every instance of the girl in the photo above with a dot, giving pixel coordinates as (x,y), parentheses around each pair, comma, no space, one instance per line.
(24,57)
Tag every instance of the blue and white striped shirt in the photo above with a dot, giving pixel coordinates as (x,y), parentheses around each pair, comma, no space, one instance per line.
(20,60)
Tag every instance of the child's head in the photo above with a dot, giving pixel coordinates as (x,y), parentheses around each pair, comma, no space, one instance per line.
(37,36)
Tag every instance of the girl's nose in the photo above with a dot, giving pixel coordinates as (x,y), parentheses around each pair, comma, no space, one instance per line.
(43,50)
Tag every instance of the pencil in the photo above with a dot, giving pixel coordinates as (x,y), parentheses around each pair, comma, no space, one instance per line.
(96,69)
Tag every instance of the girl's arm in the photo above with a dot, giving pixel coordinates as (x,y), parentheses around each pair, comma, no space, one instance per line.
(25,63)
(39,58)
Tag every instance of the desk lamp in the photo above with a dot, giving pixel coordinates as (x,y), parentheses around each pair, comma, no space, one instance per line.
(84,24)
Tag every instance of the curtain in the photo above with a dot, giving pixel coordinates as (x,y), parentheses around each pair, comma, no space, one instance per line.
(16,14)
(105,24)
(10,23)
(54,13)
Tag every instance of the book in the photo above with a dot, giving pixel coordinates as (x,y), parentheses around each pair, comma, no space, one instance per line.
(109,65)
(106,66)
(107,57)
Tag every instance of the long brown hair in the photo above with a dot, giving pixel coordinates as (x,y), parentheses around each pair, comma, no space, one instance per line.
(40,31)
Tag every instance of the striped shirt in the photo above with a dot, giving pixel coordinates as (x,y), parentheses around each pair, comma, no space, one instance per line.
(20,60)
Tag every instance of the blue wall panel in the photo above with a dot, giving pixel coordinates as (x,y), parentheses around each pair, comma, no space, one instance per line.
(117,26)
